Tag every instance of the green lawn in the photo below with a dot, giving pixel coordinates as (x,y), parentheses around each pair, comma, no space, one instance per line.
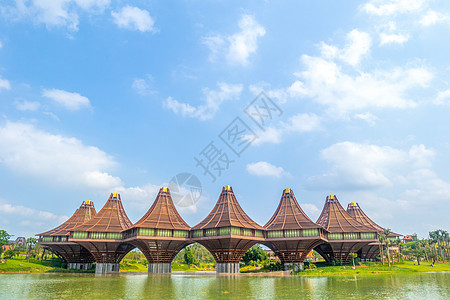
(19,266)
(54,265)
(176,266)
(373,269)
(127,266)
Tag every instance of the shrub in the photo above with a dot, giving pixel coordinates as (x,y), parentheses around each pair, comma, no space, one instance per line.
(8,254)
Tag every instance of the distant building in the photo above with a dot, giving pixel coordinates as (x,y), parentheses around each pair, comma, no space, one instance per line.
(21,241)
(271,254)
(407,239)
(6,247)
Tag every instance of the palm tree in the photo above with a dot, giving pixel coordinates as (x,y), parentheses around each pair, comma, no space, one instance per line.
(353,255)
(381,243)
(388,243)
(30,243)
(423,244)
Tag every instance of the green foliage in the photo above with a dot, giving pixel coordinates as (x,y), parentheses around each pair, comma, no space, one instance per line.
(4,237)
(189,257)
(309,265)
(270,265)
(255,254)
(8,254)
(200,253)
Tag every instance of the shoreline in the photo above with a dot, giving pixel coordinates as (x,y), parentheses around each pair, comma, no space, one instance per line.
(324,271)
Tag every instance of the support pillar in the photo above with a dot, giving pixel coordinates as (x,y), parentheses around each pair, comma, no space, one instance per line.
(159,268)
(227,268)
(80,266)
(297,266)
(103,268)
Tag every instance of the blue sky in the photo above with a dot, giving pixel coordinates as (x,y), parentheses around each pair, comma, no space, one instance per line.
(102,96)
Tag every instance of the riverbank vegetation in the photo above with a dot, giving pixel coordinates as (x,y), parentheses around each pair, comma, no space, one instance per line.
(431,254)
(371,268)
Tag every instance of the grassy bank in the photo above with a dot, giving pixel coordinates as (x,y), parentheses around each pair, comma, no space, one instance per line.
(46,266)
(374,269)
(192,268)
(20,265)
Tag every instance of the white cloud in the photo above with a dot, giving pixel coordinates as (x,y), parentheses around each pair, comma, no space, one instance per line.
(25,221)
(271,135)
(22,211)
(368,117)
(358,45)
(1,45)
(143,86)
(263,168)
(4,84)
(55,158)
(52,115)
(96,5)
(337,80)
(311,210)
(55,13)
(299,123)
(392,7)
(237,47)
(393,38)
(433,17)
(215,44)
(281,95)
(212,98)
(28,105)
(366,166)
(71,101)
(442,98)
(245,42)
(134,18)
(303,123)
(342,92)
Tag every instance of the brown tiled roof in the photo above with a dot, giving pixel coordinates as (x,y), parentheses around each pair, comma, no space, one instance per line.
(289,215)
(227,212)
(111,218)
(335,219)
(163,214)
(358,214)
(84,213)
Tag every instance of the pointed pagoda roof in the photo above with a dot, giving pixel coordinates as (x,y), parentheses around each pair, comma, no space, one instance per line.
(289,214)
(335,219)
(227,212)
(358,214)
(163,214)
(84,213)
(111,218)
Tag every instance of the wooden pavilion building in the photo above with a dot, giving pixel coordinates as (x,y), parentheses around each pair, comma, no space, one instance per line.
(370,251)
(102,235)
(160,234)
(345,235)
(291,234)
(57,239)
(227,232)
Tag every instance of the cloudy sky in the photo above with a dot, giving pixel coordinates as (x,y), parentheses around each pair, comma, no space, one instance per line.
(99,96)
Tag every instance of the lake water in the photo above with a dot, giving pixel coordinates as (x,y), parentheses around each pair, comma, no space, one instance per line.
(210,286)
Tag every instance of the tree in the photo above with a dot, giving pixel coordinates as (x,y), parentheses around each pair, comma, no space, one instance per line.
(255,253)
(9,253)
(4,239)
(30,243)
(189,257)
(388,243)
(353,256)
(381,246)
